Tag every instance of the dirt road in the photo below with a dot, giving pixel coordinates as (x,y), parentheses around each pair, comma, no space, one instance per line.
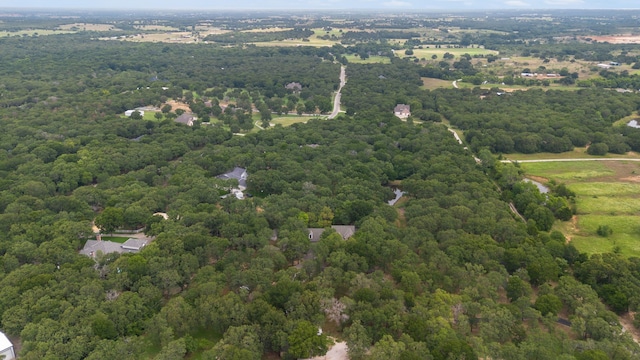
(336,100)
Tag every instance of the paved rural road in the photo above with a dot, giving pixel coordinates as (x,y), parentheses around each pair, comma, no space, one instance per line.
(565,160)
(336,100)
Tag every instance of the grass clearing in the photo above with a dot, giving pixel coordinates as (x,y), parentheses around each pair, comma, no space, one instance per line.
(599,189)
(607,193)
(290,120)
(116,239)
(626,234)
(568,171)
(374,59)
(457,52)
(87,27)
(577,153)
(613,205)
(431,83)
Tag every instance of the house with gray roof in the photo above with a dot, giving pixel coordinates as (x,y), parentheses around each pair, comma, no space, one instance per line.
(186,119)
(237,173)
(345,231)
(93,247)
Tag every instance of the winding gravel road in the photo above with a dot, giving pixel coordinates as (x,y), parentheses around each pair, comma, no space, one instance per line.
(336,100)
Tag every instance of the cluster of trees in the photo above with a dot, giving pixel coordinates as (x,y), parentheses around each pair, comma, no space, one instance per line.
(352,37)
(243,37)
(538,121)
(453,274)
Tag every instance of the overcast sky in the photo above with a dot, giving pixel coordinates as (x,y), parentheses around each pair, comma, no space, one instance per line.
(324,4)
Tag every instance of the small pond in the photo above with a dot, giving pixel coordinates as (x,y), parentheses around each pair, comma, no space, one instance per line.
(543,189)
(634,124)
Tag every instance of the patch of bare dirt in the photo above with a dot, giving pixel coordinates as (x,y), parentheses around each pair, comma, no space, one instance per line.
(178,105)
(573,226)
(626,321)
(617,39)
(337,352)
(635,178)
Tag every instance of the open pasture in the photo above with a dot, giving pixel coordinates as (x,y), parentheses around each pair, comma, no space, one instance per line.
(457,52)
(87,27)
(607,193)
(290,120)
(374,59)
(35,32)
(431,83)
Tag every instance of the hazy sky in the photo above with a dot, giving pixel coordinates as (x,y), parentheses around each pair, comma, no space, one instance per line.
(324,4)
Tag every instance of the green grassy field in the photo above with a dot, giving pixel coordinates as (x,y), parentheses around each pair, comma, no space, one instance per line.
(626,234)
(431,83)
(427,53)
(290,120)
(117,239)
(370,60)
(577,153)
(568,171)
(607,193)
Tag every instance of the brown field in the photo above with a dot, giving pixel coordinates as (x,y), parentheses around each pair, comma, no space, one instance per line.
(272,29)
(616,39)
(178,105)
(87,27)
(431,83)
(155,28)
(169,37)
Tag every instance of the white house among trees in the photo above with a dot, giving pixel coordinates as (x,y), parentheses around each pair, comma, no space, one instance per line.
(6,348)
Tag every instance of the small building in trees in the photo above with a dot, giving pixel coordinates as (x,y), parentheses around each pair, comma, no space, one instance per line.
(294,86)
(345,231)
(402,111)
(128,113)
(93,247)
(6,348)
(239,174)
(186,119)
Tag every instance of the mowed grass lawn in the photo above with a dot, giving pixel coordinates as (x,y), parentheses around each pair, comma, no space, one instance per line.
(607,193)
(117,239)
(374,59)
(290,120)
(431,83)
